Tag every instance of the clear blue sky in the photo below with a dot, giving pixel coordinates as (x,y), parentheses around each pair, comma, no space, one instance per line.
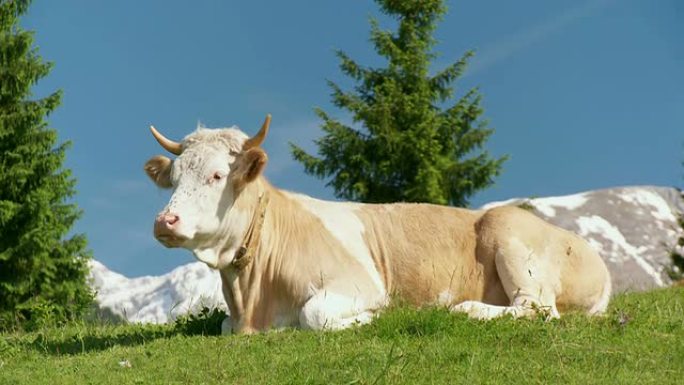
(583,94)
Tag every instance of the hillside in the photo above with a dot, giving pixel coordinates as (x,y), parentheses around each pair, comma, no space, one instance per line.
(633,228)
(639,341)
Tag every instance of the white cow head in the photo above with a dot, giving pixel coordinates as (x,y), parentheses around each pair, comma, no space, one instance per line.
(212,169)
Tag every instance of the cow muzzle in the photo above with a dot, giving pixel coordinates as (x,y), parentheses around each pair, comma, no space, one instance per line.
(166,227)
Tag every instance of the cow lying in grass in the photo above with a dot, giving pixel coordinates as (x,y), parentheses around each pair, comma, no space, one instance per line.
(286,259)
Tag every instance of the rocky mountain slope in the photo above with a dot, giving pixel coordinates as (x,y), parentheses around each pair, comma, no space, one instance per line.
(633,228)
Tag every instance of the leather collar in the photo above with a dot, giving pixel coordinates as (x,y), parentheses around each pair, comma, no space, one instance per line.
(245,253)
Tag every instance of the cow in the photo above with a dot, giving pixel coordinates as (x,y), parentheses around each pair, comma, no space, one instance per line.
(289,260)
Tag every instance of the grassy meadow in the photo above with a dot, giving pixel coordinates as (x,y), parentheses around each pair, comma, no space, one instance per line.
(639,341)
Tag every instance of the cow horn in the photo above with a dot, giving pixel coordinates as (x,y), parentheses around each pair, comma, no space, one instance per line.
(257,139)
(169,145)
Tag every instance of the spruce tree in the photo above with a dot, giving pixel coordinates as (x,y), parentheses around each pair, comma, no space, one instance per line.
(42,271)
(413,143)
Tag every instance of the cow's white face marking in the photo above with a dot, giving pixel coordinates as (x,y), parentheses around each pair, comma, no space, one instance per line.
(201,196)
(204,194)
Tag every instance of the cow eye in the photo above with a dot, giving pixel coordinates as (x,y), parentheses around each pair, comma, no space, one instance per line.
(217,176)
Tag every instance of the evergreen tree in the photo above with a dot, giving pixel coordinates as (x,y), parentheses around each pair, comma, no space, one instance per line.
(42,274)
(409,147)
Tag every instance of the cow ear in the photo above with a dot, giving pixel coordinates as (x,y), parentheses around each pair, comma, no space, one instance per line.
(250,164)
(158,169)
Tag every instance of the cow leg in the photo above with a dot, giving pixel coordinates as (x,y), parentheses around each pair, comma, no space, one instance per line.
(527,284)
(332,311)
(483,311)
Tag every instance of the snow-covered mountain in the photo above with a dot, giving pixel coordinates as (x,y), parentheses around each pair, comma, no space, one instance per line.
(156,299)
(633,228)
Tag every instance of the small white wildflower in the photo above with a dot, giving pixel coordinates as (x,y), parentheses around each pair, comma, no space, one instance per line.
(125,364)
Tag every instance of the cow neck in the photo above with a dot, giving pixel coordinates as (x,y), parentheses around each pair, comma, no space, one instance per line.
(245,253)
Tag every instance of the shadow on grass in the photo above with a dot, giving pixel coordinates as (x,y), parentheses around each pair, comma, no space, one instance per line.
(88,337)
(81,342)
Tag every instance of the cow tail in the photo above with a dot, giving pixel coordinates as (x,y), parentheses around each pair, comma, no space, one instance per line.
(602,304)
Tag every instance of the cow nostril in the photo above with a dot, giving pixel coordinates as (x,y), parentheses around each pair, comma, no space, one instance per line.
(171,219)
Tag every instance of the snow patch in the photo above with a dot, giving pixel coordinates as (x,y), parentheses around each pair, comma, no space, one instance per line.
(157,299)
(507,202)
(644,197)
(547,206)
(597,225)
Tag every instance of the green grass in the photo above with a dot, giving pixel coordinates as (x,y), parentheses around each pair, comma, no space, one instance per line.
(639,341)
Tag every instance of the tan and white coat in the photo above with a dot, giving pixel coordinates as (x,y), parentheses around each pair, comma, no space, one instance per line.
(319,264)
